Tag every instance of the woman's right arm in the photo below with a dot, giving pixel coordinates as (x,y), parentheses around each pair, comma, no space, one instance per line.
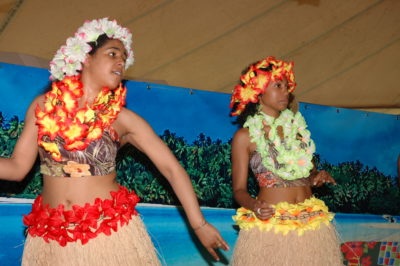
(25,151)
(240,162)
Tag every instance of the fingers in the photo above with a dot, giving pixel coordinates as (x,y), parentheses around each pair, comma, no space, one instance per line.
(264,213)
(213,253)
(219,243)
(211,239)
(317,182)
(260,204)
(331,180)
(323,177)
(222,244)
(263,204)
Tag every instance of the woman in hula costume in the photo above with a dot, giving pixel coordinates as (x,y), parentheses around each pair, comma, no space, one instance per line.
(285,224)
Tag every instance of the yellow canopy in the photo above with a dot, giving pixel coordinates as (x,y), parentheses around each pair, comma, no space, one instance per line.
(346,53)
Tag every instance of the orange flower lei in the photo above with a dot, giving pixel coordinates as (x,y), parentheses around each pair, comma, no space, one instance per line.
(78,127)
(256,79)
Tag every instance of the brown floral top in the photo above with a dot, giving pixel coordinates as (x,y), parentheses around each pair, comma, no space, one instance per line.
(97,159)
(268,179)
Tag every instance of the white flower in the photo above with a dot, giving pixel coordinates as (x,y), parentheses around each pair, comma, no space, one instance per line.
(89,31)
(69,58)
(56,70)
(109,27)
(76,49)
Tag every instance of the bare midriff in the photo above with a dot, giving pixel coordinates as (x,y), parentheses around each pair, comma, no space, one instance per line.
(288,194)
(77,191)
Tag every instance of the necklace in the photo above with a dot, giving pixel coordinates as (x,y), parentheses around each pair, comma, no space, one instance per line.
(295,150)
(78,127)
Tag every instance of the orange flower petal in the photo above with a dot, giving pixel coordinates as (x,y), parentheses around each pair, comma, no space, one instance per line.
(70,102)
(52,148)
(74,146)
(74,132)
(94,134)
(48,125)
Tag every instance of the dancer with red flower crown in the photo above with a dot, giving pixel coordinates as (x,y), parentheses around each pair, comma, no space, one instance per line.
(284,224)
(83,216)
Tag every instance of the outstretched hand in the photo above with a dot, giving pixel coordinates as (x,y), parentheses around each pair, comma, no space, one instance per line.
(210,239)
(321,178)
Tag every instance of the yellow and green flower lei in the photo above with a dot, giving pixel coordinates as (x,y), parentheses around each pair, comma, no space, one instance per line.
(295,150)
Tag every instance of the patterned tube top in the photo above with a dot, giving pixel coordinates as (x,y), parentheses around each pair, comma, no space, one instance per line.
(97,159)
(266,178)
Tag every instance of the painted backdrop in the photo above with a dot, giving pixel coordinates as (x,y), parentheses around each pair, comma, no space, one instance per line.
(359,149)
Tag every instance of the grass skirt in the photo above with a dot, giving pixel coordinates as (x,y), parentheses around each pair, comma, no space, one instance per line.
(297,234)
(107,232)
(130,245)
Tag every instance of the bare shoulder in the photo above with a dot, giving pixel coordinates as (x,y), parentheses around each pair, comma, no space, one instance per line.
(242,141)
(125,120)
(133,129)
(40,98)
(127,117)
(241,136)
(129,122)
(38,101)
(126,114)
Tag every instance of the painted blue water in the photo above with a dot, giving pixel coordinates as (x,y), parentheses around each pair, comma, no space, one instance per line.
(172,237)
(165,225)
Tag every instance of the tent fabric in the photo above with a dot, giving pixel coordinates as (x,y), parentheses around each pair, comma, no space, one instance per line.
(345,52)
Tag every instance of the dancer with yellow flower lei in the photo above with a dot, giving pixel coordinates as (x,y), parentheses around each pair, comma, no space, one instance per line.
(83,216)
(285,224)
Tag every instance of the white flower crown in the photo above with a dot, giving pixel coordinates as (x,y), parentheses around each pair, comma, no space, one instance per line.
(69,58)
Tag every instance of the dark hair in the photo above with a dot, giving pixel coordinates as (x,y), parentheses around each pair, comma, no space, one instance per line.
(101,40)
(250,110)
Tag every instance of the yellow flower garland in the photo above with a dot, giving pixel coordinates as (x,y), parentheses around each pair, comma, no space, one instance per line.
(307,215)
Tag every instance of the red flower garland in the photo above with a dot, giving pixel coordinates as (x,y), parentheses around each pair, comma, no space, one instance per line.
(81,223)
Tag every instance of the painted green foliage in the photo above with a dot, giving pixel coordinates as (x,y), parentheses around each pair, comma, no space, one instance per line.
(207,162)
(31,185)
(360,189)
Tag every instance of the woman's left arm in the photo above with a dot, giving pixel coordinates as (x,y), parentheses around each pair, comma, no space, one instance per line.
(136,131)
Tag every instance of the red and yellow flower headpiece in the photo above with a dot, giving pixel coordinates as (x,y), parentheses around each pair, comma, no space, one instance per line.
(257,78)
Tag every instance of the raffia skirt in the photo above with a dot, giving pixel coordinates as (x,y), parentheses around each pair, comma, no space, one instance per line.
(116,237)
(297,234)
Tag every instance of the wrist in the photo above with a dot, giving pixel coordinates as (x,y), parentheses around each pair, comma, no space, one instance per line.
(201,225)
